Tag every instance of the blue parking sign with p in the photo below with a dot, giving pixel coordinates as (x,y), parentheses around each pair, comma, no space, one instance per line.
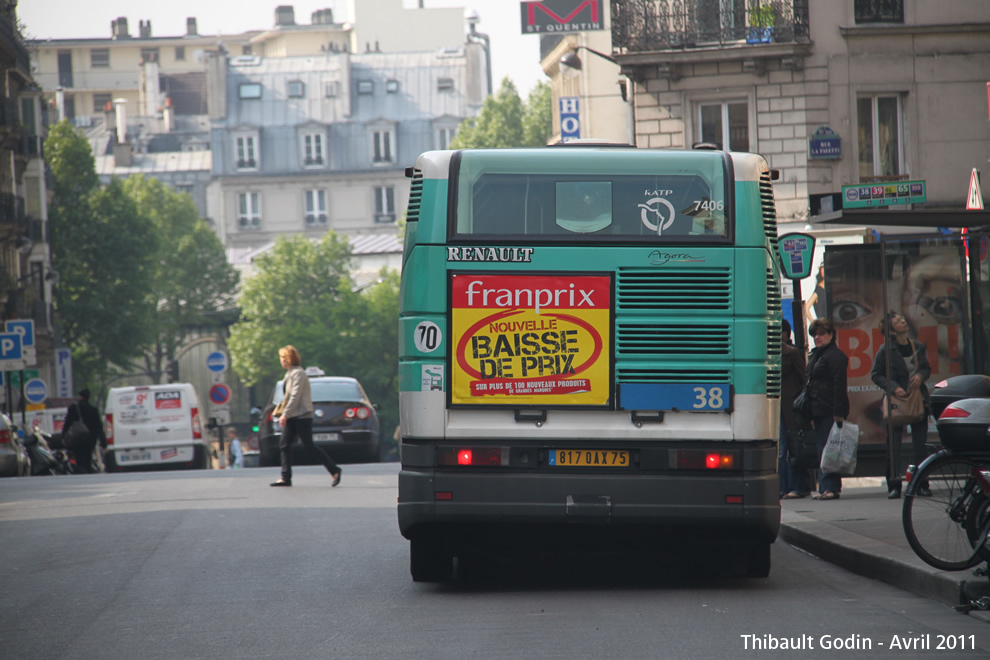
(10,346)
(24,328)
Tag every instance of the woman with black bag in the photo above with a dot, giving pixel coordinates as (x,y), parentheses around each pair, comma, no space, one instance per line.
(908,369)
(86,442)
(829,398)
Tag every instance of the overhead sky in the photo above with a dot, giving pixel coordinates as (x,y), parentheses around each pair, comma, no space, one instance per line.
(513,54)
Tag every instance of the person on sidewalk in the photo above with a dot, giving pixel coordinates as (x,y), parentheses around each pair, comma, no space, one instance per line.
(296,417)
(829,398)
(794,483)
(234,450)
(909,369)
(90,416)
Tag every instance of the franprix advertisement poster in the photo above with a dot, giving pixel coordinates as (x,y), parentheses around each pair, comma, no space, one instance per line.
(531,339)
(925,284)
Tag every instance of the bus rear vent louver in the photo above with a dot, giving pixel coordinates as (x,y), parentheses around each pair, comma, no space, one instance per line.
(769,210)
(685,290)
(415,196)
(675,340)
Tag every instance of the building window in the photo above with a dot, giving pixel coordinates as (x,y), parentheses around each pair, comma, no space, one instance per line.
(249,210)
(724,124)
(445,136)
(180,53)
(331,89)
(245,153)
(384,204)
(445,84)
(99,58)
(382,147)
(313,149)
(879,122)
(297,89)
(366,87)
(879,11)
(100,102)
(392,87)
(186,188)
(316,207)
(249,91)
(149,54)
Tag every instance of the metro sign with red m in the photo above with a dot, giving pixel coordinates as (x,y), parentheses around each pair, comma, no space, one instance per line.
(561,16)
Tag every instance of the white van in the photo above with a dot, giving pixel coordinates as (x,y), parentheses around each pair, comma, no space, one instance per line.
(155,426)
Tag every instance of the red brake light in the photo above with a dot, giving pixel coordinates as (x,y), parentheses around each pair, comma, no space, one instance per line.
(108,427)
(473,456)
(697,459)
(349,413)
(4,436)
(952,411)
(942,383)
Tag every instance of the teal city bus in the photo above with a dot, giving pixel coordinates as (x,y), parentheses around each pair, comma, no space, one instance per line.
(589,354)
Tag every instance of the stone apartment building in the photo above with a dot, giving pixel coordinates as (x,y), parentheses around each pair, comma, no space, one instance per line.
(303,144)
(149,103)
(26,274)
(898,85)
(901,83)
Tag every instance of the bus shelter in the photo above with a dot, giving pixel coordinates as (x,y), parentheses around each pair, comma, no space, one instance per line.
(939,282)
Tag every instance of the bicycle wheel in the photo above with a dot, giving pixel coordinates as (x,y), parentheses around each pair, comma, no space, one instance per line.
(936,526)
(977,525)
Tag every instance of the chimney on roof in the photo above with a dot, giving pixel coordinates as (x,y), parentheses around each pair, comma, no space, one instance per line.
(322,17)
(144,29)
(191,27)
(285,15)
(118,28)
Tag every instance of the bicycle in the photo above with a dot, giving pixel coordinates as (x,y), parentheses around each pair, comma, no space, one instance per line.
(949,528)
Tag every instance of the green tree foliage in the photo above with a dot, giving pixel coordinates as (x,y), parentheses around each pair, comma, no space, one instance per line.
(505,122)
(302,294)
(538,118)
(193,281)
(101,248)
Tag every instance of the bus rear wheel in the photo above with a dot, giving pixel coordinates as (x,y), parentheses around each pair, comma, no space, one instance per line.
(758,561)
(428,562)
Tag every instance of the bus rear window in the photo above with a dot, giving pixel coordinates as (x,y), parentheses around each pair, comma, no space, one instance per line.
(687,204)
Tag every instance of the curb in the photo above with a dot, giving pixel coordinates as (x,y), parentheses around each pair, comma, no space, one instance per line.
(877,560)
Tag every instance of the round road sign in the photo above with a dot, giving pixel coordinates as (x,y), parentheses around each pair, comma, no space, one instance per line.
(219,394)
(216,361)
(35,390)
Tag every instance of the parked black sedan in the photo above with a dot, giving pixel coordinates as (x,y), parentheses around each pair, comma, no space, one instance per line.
(345,423)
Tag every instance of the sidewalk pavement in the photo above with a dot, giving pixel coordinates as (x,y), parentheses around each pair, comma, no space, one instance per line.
(862,532)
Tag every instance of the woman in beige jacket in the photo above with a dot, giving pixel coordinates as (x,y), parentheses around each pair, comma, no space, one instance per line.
(296,417)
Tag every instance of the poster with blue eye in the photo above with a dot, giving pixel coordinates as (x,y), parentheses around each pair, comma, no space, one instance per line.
(926,295)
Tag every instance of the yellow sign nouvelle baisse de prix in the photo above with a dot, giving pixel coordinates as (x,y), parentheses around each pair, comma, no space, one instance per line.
(530,339)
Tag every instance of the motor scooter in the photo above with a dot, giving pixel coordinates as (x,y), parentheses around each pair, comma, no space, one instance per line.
(44,461)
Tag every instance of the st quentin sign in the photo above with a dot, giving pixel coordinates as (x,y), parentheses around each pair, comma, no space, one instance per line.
(561,16)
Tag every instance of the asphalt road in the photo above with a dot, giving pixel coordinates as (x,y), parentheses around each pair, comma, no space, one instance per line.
(218,565)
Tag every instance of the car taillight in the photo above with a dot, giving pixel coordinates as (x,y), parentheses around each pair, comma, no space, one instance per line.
(360,412)
(363,413)
(5,437)
(108,427)
(473,456)
(951,411)
(197,429)
(699,459)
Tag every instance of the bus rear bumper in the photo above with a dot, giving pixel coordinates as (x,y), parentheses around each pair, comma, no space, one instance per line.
(736,506)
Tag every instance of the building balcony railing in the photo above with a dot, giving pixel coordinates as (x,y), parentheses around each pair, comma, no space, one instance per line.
(659,25)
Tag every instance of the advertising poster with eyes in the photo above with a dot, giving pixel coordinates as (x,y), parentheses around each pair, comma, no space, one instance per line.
(924,284)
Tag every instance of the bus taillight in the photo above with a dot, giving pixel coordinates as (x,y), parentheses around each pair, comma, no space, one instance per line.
(473,456)
(699,459)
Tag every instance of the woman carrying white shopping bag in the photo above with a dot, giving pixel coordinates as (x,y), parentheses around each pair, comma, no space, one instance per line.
(829,399)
